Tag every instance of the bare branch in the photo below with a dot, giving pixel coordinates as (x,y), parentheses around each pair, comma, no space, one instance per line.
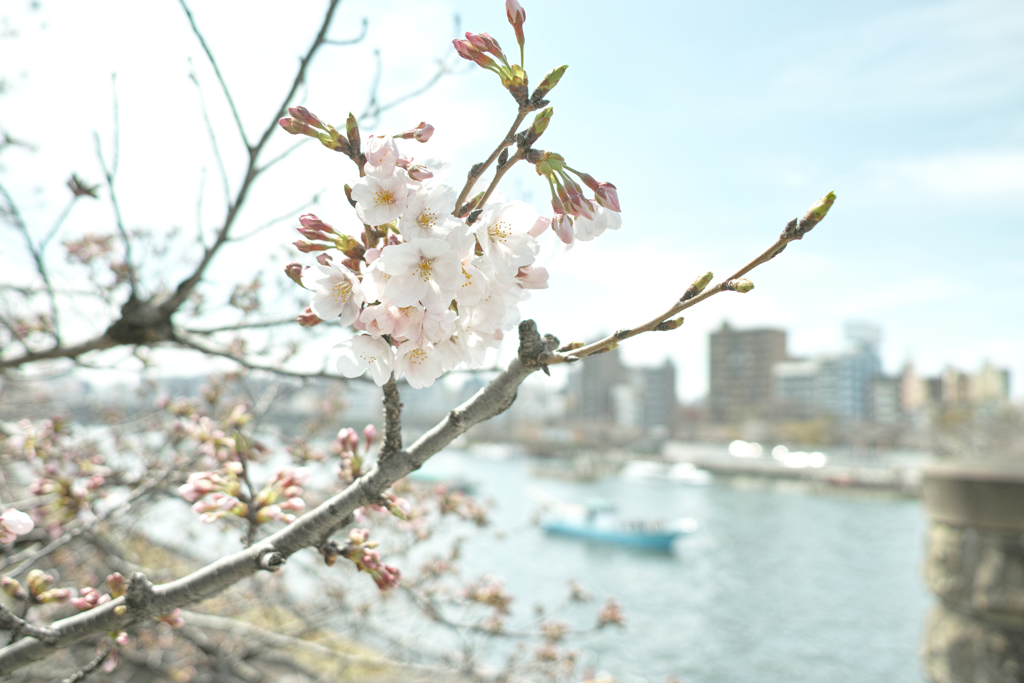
(243,326)
(37,256)
(351,41)
(108,175)
(272,552)
(96,344)
(794,230)
(220,78)
(186,286)
(283,217)
(18,626)
(85,671)
(213,136)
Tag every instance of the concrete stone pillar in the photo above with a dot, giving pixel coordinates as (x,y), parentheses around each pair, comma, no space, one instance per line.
(974,564)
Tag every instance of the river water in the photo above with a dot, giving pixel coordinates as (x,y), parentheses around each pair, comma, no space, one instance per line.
(780,584)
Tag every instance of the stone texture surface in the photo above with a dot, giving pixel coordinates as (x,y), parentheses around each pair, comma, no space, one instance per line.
(976,634)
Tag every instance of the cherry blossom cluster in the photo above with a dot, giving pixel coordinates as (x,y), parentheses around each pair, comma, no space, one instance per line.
(434,281)
(363,554)
(346,447)
(284,486)
(40,589)
(219,493)
(489,591)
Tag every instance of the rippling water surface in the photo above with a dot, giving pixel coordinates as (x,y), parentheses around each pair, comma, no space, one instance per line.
(779,585)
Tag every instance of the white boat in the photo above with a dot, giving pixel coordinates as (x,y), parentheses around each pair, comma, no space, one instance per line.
(664,472)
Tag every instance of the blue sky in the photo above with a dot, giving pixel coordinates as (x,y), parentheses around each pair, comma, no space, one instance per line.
(717,121)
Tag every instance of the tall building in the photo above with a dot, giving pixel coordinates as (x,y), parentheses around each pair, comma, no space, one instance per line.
(740,368)
(606,391)
(837,385)
(593,385)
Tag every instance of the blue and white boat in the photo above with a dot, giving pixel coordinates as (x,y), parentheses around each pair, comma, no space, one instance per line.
(598,522)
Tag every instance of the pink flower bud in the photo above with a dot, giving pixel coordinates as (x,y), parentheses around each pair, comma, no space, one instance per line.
(307,318)
(309,220)
(530,277)
(16,522)
(307,247)
(484,43)
(420,173)
(297,127)
(542,224)
(370,434)
(467,51)
(608,197)
(294,272)
(562,225)
(313,234)
(303,115)
(324,260)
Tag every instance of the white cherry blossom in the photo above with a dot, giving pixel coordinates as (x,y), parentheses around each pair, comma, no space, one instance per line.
(503,233)
(381,200)
(420,364)
(429,213)
(421,270)
(381,153)
(339,295)
(362,353)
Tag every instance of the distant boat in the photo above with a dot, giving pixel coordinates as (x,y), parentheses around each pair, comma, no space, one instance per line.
(671,473)
(597,522)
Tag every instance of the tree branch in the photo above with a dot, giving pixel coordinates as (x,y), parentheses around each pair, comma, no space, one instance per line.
(794,230)
(272,552)
(392,420)
(220,77)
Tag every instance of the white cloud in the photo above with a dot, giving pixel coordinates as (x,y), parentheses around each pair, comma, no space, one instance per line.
(960,176)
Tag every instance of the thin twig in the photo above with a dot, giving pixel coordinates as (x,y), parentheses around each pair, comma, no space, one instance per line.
(243,326)
(82,673)
(351,41)
(37,256)
(213,136)
(108,175)
(478,169)
(290,215)
(216,70)
(794,231)
(186,286)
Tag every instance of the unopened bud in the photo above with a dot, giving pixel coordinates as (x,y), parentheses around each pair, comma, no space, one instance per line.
(668,325)
(311,220)
(352,132)
(307,247)
(517,17)
(294,272)
(562,226)
(297,127)
(313,234)
(815,214)
(303,115)
(741,286)
(549,81)
(350,246)
(324,259)
(420,173)
(698,286)
(607,196)
(13,588)
(485,43)
(118,585)
(307,318)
